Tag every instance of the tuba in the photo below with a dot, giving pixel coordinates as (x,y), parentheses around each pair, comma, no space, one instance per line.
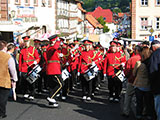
(105,40)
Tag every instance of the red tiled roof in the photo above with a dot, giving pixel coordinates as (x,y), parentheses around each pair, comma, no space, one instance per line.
(105,13)
(93,21)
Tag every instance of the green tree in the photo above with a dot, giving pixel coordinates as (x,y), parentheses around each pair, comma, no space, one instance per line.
(106,29)
(102,22)
(90,5)
(116,10)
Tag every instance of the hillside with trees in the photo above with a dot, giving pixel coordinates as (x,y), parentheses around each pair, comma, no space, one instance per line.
(115,5)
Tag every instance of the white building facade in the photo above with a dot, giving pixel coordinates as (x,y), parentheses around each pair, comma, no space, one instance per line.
(36,15)
(81,20)
(67,18)
(145,19)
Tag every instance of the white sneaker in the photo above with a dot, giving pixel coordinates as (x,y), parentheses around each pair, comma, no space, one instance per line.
(64,98)
(26,95)
(31,97)
(53,105)
(57,95)
(88,98)
(97,88)
(116,100)
(84,98)
(51,100)
(111,99)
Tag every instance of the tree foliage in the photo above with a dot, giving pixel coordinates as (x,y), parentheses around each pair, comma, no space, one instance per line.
(102,22)
(122,5)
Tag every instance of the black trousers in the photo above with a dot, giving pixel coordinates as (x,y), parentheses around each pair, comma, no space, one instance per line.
(65,88)
(4,94)
(99,77)
(144,99)
(74,79)
(45,80)
(114,86)
(94,84)
(42,82)
(27,88)
(86,86)
(55,85)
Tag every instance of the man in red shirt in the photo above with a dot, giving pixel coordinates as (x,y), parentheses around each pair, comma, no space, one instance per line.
(130,79)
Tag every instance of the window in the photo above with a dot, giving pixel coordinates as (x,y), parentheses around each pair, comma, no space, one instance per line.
(157,2)
(144,23)
(144,2)
(17,1)
(43,3)
(49,3)
(26,1)
(35,2)
(158,23)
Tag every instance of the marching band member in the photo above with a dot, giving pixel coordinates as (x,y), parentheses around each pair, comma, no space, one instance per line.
(53,70)
(27,59)
(112,64)
(75,61)
(98,58)
(38,48)
(65,65)
(83,66)
(44,46)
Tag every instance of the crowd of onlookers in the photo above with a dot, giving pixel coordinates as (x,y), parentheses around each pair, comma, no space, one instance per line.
(142,73)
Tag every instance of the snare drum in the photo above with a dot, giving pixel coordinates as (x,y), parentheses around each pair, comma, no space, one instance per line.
(65,74)
(91,73)
(33,74)
(120,76)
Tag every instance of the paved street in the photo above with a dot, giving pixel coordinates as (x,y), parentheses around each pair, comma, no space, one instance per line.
(72,109)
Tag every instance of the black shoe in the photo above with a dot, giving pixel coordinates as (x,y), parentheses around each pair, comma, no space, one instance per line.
(3,116)
(125,115)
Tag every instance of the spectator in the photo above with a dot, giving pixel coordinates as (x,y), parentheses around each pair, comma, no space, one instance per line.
(145,44)
(154,75)
(7,67)
(144,97)
(10,49)
(130,79)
